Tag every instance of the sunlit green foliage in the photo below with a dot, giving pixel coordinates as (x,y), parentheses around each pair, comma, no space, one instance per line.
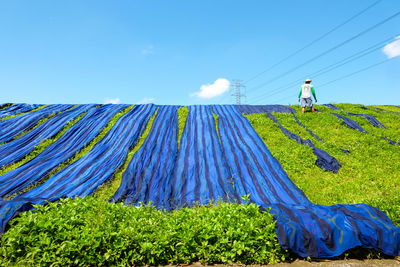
(91,231)
(370,173)
(182,116)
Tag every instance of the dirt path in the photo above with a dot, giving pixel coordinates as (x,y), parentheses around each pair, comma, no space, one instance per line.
(342,263)
(323,263)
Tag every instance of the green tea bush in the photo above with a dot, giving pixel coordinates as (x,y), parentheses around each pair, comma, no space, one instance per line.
(90,231)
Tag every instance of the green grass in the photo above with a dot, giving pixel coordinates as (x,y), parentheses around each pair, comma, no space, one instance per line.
(386,108)
(369,174)
(390,120)
(90,231)
(107,190)
(182,116)
(216,125)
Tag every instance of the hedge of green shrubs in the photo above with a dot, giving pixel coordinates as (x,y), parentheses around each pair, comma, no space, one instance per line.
(90,231)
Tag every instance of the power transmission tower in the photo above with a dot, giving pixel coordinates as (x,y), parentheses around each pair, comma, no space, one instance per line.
(238,91)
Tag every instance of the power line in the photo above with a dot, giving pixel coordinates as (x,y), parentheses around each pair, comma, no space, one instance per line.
(238,94)
(308,45)
(348,75)
(356,72)
(314,41)
(322,71)
(329,50)
(327,69)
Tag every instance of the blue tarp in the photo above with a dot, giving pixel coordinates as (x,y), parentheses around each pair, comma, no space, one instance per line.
(354,125)
(236,162)
(201,172)
(250,109)
(84,176)
(16,109)
(17,149)
(350,123)
(371,119)
(210,166)
(374,121)
(331,106)
(5,105)
(148,175)
(305,228)
(64,148)
(13,127)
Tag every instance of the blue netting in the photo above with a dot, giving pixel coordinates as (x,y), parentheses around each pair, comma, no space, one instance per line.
(324,160)
(16,109)
(332,106)
(86,174)
(374,121)
(201,150)
(83,176)
(305,228)
(5,105)
(354,125)
(17,149)
(148,174)
(72,141)
(350,123)
(250,109)
(11,128)
(210,166)
(371,119)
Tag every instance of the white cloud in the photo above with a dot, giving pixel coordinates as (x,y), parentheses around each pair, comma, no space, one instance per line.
(112,101)
(148,50)
(392,49)
(208,91)
(146,100)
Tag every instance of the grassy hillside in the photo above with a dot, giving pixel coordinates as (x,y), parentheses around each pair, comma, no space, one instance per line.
(91,231)
(370,173)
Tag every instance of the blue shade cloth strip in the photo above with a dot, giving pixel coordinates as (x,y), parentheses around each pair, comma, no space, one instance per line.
(211,165)
(17,149)
(16,109)
(355,126)
(371,119)
(12,127)
(86,174)
(324,160)
(248,109)
(64,148)
(241,164)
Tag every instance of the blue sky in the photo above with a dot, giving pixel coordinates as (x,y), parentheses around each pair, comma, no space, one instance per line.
(165,51)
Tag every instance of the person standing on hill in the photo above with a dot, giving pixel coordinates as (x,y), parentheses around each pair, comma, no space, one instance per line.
(305,94)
